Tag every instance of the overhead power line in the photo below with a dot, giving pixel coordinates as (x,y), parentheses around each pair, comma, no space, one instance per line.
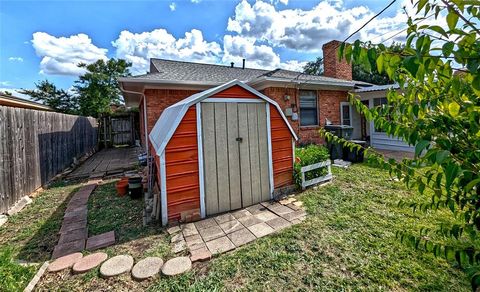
(365,24)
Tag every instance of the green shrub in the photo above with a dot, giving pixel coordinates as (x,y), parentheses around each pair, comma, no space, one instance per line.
(13,277)
(309,155)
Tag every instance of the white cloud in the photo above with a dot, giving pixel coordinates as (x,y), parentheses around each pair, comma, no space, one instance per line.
(138,48)
(293,65)
(5,83)
(284,2)
(173,6)
(196,1)
(236,48)
(15,59)
(308,30)
(60,56)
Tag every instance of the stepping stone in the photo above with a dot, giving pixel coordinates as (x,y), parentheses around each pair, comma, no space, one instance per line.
(298,203)
(241,213)
(179,246)
(189,230)
(260,229)
(287,201)
(211,233)
(173,230)
(146,268)
(278,223)
(220,245)
(101,240)
(73,235)
(67,248)
(176,238)
(249,220)
(67,227)
(206,223)
(89,262)
(3,219)
(241,237)
(231,226)
(255,209)
(176,266)
(265,216)
(280,209)
(64,262)
(294,207)
(76,213)
(200,255)
(224,218)
(117,265)
(194,242)
(295,215)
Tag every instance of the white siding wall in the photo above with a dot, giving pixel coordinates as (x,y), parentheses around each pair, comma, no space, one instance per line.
(381,140)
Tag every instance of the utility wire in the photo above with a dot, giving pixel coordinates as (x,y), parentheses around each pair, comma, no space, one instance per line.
(355,32)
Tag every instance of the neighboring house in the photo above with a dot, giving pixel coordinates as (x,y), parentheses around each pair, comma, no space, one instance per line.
(13,101)
(307,101)
(363,130)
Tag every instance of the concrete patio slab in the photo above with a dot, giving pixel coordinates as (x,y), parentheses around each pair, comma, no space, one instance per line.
(249,220)
(206,223)
(260,229)
(241,237)
(231,226)
(224,218)
(70,226)
(255,209)
(265,216)
(241,213)
(211,233)
(177,237)
(73,235)
(295,215)
(220,245)
(200,255)
(189,229)
(280,209)
(278,223)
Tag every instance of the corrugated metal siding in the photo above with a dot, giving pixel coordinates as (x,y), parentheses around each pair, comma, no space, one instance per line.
(181,162)
(235,92)
(282,152)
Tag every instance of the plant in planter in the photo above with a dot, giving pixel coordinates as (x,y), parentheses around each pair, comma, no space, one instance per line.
(309,155)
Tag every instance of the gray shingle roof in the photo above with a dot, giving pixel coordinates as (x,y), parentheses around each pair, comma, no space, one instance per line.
(169,70)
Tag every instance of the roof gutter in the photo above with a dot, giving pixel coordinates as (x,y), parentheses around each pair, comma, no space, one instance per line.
(349,85)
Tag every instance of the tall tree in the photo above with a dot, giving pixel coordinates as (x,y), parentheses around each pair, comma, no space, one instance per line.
(98,87)
(437,109)
(359,72)
(48,94)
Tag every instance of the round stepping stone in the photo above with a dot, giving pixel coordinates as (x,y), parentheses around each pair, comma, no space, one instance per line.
(64,262)
(117,265)
(176,266)
(147,268)
(89,262)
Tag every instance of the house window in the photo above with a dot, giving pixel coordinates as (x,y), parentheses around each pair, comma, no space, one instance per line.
(346,113)
(308,108)
(378,102)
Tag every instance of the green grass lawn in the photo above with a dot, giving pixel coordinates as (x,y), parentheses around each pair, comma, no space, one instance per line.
(347,243)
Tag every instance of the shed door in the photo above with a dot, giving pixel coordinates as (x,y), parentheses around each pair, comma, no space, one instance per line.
(235,154)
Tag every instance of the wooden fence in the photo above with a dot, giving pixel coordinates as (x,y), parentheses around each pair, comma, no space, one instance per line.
(37,145)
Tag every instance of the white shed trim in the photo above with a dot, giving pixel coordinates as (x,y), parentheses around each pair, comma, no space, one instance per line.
(171,117)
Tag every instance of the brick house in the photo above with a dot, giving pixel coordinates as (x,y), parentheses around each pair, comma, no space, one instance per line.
(307,101)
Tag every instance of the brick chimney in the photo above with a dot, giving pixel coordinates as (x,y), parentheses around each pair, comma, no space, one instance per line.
(332,67)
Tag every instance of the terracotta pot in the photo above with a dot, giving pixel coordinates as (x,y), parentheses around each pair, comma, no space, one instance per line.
(122,188)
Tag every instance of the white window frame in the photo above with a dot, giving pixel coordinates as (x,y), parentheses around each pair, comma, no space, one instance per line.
(316,106)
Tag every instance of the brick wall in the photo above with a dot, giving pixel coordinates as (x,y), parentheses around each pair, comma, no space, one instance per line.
(328,107)
(328,102)
(157,101)
(331,65)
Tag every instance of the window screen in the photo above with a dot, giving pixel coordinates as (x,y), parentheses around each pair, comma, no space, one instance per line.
(346,120)
(308,108)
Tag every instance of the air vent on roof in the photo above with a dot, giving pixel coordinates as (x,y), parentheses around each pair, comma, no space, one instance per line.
(231,64)
(243,66)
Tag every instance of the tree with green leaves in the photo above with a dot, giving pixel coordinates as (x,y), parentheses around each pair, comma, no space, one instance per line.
(98,87)
(437,109)
(59,99)
(359,72)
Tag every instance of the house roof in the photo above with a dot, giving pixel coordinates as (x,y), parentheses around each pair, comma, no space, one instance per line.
(13,101)
(211,73)
(171,117)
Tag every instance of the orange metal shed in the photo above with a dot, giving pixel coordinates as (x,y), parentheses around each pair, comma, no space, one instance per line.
(184,151)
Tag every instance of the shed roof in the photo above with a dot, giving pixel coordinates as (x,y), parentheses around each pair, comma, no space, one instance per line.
(377,88)
(172,116)
(13,101)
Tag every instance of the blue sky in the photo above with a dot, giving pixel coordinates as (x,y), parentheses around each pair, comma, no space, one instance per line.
(45,39)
